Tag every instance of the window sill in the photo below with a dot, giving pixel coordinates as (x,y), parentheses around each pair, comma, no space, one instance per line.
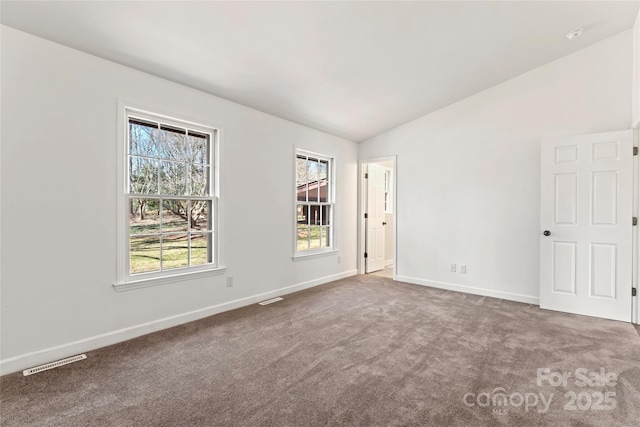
(155,281)
(303,257)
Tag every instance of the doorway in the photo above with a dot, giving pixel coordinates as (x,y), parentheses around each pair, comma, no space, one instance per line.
(377,212)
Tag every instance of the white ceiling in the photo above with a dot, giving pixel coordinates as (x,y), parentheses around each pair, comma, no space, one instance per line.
(353,69)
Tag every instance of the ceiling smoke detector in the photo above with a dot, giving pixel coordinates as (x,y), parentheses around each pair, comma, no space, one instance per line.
(574,34)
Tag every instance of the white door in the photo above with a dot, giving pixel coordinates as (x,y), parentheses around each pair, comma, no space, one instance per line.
(586,225)
(375,219)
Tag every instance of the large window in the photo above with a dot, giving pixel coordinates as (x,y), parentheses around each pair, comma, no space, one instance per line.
(314,203)
(170,196)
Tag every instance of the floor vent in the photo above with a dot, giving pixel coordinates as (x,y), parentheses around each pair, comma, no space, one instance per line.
(52,365)
(271,301)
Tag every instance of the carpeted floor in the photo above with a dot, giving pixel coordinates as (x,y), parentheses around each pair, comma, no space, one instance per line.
(362,351)
(386,272)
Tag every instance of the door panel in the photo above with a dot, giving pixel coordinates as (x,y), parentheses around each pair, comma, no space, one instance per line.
(603,271)
(586,205)
(564,267)
(566,205)
(375,237)
(604,198)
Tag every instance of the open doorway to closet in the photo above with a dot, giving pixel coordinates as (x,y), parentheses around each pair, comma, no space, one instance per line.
(377,228)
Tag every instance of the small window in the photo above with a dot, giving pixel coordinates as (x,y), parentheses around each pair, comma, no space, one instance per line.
(314,203)
(170,196)
(387,192)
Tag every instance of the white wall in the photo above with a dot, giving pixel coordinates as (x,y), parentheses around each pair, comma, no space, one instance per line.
(468,174)
(59,150)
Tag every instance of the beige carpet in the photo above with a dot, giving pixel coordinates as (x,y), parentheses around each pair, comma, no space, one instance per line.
(386,272)
(363,351)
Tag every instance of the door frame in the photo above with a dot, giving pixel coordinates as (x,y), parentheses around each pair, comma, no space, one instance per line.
(635,301)
(362,203)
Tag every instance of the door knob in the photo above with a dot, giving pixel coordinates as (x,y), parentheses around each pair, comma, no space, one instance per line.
(547,233)
(384,223)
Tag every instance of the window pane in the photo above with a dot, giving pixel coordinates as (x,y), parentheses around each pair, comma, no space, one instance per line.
(144,254)
(143,138)
(301,214)
(301,193)
(199,180)
(313,214)
(325,237)
(324,190)
(173,178)
(313,169)
(302,238)
(323,177)
(143,216)
(200,215)
(313,191)
(314,242)
(175,251)
(323,172)
(301,179)
(143,175)
(313,175)
(326,215)
(174,216)
(199,148)
(172,144)
(200,252)
(301,170)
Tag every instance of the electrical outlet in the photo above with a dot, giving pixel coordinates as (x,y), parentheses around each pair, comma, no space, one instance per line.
(229,281)
(463,269)
(452,268)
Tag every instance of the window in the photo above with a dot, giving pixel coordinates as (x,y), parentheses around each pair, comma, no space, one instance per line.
(170,198)
(314,203)
(387,191)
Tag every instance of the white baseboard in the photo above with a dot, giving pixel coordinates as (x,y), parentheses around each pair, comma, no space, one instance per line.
(388,263)
(24,361)
(528,299)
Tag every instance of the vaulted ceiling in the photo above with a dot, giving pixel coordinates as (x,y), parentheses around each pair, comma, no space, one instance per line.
(353,69)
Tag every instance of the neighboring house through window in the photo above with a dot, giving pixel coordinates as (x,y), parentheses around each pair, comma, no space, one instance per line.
(314,203)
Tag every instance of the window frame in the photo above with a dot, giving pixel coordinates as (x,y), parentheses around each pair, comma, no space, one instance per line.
(125,279)
(331,197)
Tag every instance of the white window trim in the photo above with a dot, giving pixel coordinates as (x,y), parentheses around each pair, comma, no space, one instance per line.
(333,249)
(124,280)
(317,254)
(155,281)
